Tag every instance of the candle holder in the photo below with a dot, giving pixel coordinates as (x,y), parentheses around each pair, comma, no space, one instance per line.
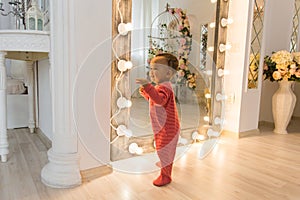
(18,9)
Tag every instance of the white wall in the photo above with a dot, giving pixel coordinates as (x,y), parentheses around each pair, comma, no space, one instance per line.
(278,30)
(44,98)
(92,86)
(234,62)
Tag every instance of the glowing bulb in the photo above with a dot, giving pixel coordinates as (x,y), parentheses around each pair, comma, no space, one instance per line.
(206,118)
(210,49)
(213,1)
(207,95)
(224,47)
(128,65)
(122,102)
(133,148)
(225,22)
(222,72)
(208,72)
(123,65)
(124,28)
(220,97)
(212,25)
(219,121)
(212,133)
(122,130)
(139,151)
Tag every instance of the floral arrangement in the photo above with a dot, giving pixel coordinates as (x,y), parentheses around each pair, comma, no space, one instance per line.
(185,76)
(282,65)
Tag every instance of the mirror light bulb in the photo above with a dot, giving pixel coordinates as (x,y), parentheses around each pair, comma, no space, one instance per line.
(220,97)
(124,65)
(225,22)
(222,72)
(213,1)
(124,28)
(123,131)
(212,133)
(212,25)
(224,47)
(206,118)
(210,49)
(122,102)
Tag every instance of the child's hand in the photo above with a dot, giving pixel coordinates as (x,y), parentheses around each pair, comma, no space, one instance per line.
(141,81)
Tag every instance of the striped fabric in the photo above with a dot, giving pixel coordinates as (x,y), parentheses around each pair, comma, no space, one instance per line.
(164,119)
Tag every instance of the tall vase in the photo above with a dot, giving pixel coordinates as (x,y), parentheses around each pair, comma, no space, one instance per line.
(283,104)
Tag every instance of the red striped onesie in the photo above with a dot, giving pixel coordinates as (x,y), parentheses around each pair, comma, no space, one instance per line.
(164,120)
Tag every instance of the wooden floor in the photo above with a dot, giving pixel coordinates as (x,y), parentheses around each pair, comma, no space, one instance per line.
(266,166)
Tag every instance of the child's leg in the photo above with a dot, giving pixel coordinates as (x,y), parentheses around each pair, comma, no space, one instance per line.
(166,152)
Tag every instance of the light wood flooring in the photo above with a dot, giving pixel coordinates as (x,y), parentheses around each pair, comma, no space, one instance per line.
(265,166)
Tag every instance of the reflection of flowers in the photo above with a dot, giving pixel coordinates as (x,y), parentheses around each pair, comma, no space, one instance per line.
(185,76)
(253,70)
(282,65)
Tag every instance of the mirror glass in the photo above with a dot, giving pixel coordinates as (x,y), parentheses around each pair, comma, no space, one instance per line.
(294,37)
(149,22)
(155,27)
(256,39)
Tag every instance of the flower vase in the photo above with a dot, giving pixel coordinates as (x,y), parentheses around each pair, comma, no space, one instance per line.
(283,104)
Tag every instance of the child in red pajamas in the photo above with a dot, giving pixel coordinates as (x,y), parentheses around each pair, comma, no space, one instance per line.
(163,112)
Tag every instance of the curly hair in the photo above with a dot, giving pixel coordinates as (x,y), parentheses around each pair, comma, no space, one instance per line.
(171,60)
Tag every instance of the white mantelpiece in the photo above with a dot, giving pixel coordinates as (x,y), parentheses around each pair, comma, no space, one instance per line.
(20,45)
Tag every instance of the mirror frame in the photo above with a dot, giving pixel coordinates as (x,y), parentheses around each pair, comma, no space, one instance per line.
(123,45)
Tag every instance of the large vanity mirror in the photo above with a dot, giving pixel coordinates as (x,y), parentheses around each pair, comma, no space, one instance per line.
(155,27)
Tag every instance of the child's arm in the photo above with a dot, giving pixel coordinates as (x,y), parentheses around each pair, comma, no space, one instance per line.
(143,82)
(143,93)
(159,95)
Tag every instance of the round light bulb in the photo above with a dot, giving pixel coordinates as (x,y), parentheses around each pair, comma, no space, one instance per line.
(210,49)
(128,64)
(206,118)
(122,102)
(139,151)
(122,29)
(122,65)
(128,103)
(132,148)
(121,130)
(207,95)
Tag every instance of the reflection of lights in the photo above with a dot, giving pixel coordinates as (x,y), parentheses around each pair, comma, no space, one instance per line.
(224,47)
(222,72)
(123,65)
(124,28)
(122,130)
(220,97)
(197,136)
(207,95)
(212,133)
(122,102)
(212,25)
(210,49)
(213,1)
(225,22)
(206,118)
(135,149)
(219,121)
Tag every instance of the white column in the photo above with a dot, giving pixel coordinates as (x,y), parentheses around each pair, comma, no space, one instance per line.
(3,121)
(30,85)
(62,171)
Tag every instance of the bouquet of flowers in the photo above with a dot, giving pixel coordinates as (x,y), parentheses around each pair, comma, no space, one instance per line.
(282,65)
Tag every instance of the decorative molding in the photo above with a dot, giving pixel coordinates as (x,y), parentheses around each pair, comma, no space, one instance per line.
(44,139)
(239,135)
(31,41)
(91,174)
